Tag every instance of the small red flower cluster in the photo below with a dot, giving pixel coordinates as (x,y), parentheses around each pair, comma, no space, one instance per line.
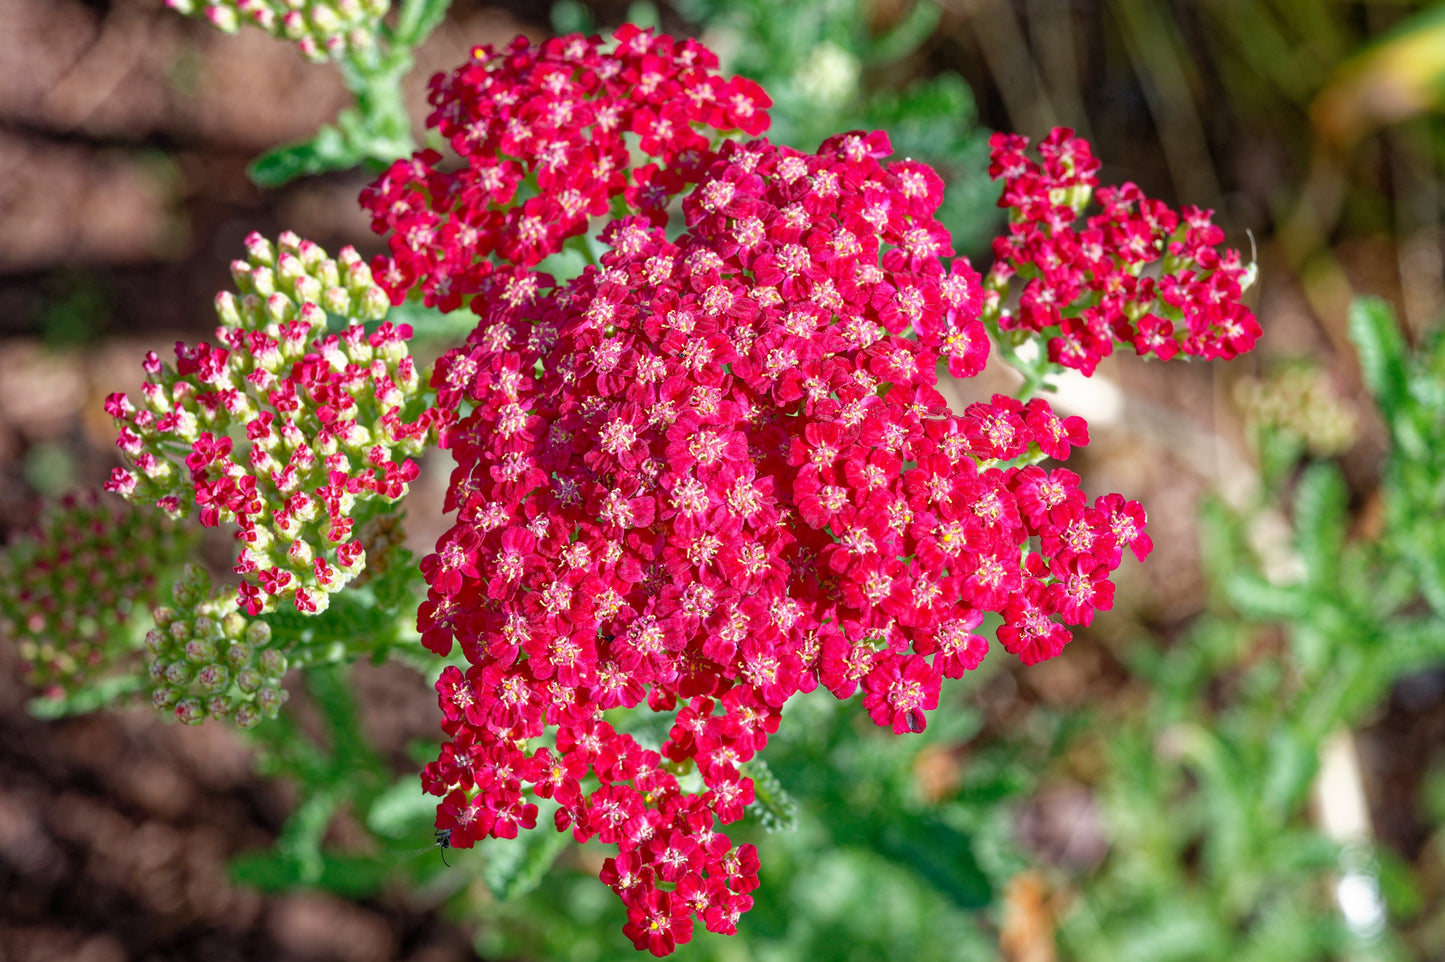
(1088,287)
(322,416)
(547,133)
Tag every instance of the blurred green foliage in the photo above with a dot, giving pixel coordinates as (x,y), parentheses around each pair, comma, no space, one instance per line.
(1215,855)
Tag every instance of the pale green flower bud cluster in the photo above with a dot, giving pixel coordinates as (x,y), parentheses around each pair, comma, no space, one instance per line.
(321,29)
(68,588)
(1301,399)
(287,431)
(210,661)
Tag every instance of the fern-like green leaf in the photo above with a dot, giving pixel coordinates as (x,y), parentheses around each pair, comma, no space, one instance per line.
(1377,338)
(1320,519)
(774,808)
(1259,600)
(515,866)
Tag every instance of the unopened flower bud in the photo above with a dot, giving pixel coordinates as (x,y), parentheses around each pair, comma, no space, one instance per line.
(228,309)
(374,305)
(190,711)
(213,678)
(223,19)
(308,289)
(279,308)
(247,715)
(261,281)
(272,663)
(270,699)
(336,301)
(200,651)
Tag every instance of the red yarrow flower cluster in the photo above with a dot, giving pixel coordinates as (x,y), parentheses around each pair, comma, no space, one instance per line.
(548,132)
(1137,273)
(715,472)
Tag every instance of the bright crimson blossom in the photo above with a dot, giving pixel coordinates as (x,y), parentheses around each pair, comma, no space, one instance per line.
(1089,286)
(544,132)
(714,470)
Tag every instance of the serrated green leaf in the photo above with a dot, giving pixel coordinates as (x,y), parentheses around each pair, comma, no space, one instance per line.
(1299,851)
(346,876)
(1289,772)
(907,37)
(1320,519)
(353,614)
(300,841)
(1377,338)
(1259,600)
(96,695)
(329,150)
(515,866)
(572,16)
(401,809)
(772,805)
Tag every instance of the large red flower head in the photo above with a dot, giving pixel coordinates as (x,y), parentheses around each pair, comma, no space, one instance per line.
(712,472)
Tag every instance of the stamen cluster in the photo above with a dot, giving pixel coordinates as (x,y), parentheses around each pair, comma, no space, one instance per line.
(1137,273)
(321,29)
(68,588)
(281,428)
(209,661)
(548,133)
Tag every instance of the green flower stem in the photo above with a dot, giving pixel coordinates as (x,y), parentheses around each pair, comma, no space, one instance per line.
(1035,372)
(377,129)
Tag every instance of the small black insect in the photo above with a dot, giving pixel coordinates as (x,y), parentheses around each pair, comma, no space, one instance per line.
(444,842)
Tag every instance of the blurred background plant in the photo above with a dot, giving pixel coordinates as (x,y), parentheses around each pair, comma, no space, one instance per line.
(1241,760)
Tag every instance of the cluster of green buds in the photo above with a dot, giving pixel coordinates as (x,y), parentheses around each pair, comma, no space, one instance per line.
(209,661)
(1301,400)
(68,588)
(283,429)
(321,29)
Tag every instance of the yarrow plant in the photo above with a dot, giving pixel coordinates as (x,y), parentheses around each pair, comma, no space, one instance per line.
(1091,288)
(709,472)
